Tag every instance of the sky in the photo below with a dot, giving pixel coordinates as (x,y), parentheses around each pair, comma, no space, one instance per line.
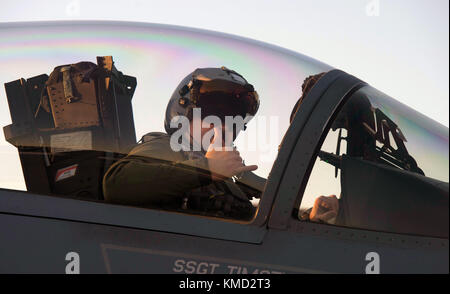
(400,47)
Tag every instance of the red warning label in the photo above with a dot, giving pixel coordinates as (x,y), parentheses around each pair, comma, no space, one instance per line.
(66,172)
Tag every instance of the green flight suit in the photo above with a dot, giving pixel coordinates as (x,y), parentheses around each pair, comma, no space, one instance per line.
(153,175)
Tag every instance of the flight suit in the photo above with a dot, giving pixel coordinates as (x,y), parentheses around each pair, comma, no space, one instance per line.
(153,175)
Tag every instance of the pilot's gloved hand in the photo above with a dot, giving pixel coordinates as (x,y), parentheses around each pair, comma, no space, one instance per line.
(325,209)
(223,163)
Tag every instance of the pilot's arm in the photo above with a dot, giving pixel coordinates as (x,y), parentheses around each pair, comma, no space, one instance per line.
(253,181)
(153,172)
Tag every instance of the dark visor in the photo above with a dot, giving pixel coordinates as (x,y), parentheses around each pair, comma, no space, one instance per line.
(222,98)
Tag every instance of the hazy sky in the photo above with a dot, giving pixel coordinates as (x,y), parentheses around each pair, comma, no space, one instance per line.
(400,47)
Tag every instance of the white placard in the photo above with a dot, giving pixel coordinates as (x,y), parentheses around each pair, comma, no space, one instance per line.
(71,141)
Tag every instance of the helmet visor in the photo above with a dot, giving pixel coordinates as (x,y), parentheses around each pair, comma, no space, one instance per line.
(222,104)
(223,98)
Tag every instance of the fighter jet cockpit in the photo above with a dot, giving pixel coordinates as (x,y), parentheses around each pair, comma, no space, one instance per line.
(383,161)
(75,104)
(128,115)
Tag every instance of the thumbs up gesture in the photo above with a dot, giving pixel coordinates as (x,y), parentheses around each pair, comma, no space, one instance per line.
(223,163)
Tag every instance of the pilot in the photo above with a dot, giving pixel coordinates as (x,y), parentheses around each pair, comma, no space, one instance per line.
(325,208)
(190,167)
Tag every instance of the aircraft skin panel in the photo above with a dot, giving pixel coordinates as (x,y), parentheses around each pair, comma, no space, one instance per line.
(109,249)
(343,250)
(103,213)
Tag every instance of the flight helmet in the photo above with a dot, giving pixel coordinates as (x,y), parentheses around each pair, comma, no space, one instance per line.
(216,91)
